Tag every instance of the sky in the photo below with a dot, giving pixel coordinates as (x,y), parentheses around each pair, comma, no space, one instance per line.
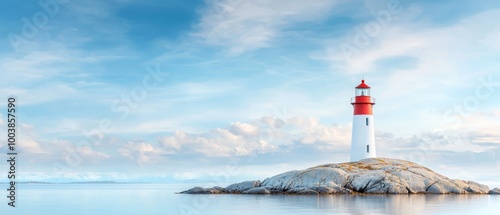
(228,90)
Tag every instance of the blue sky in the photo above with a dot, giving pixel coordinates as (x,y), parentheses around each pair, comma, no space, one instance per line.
(191,88)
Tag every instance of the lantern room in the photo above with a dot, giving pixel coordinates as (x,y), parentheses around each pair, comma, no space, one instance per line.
(363,89)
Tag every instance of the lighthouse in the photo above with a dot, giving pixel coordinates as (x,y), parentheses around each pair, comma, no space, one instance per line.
(363,136)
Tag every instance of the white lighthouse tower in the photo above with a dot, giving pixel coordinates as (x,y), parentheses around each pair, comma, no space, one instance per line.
(363,136)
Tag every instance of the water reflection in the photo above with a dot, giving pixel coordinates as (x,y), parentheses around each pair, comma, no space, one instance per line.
(380,204)
(131,199)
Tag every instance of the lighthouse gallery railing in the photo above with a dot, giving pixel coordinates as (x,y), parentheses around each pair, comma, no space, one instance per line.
(353,100)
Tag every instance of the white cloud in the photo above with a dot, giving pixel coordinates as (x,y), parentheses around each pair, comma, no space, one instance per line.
(308,140)
(303,140)
(26,140)
(29,146)
(273,122)
(91,153)
(260,136)
(74,176)
(140,152)
(174,142)
(41,93)
(244,129)
(242,26)
(41,76)
(328,137)
(445,66)
(185,176)
(439,52)
(34,65)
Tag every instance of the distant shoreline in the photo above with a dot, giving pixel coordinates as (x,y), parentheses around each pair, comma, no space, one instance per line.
(77,182)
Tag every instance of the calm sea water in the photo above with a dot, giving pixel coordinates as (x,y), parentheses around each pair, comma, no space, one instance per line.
(123,199)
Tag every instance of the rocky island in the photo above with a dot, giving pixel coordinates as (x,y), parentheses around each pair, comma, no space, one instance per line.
(368,176)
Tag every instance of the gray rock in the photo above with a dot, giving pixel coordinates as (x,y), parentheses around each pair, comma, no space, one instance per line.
(303,191)
(308,192)
(194,190)
(201,190)
(474,187)
(214,190)
(369,176)
(346,191)
(495,191)
(436,189)
(218,188)
(374,176)
(242,186)
(296,190)
(323,190)
(257,190)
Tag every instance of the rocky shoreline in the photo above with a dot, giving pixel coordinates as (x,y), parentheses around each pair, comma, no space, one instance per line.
(368,176)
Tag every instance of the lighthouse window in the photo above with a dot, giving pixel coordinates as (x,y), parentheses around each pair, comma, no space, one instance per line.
(367,148)
(362,91)
(366,121)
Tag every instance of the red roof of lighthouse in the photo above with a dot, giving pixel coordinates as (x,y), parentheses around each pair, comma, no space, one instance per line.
(363,85)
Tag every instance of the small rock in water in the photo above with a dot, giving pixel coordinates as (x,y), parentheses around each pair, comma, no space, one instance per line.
(495,191)
(196,190)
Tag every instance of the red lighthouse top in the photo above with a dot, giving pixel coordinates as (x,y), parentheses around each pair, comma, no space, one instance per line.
(363,85)
(363,102)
